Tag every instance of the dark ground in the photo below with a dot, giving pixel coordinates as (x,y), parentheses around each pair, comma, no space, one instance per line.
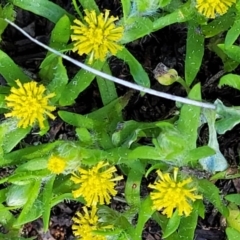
(158,47)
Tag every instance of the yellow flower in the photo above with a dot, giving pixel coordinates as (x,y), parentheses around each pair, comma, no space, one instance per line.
(97,36)
(172,194)
(97,185)
(29,104)
(56,164)
(84,225)
(210,8)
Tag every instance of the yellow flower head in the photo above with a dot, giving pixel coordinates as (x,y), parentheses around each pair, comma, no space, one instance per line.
(29,104)
(172,194)
(56,164)
(84,225)
(210,8)
(97,185)
(97,36)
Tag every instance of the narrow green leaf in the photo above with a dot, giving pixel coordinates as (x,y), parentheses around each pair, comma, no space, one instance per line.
(58,40)
(47,199)
(47,9)
(139,74)
(132,188)
(218,25)
(126,6)
(233,33)
(6,12)
(211,192)
(33,194)
(194,52)
(89,4)
(107,88)
(59,81)
(13,134)
(172,225)
(10,71)
(200,152)
(78,84)
(188,122)
(182,14)
(232,80)
(137,27)
(78,120)
(188,224)
(145,212)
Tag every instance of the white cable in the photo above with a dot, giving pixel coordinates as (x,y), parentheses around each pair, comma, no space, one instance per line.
(114,79)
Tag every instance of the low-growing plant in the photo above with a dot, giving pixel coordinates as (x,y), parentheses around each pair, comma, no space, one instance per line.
(107,150)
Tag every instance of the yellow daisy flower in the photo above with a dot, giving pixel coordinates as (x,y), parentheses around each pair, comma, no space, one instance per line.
(96,185)
(210,8)
(97,36)
(85,224)
(29,104)
(56,164)
(172,194)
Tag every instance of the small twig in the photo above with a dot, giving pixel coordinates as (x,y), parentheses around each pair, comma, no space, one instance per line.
(114,79)
(214,78)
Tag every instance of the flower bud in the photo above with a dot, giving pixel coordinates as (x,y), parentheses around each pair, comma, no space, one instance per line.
(164,75)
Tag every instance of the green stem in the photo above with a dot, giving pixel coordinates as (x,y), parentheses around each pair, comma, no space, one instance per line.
(183,83)
(77,9)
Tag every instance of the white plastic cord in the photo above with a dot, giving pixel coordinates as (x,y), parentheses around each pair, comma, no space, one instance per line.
(114,79)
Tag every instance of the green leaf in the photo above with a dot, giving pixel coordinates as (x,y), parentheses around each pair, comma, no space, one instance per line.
(17,195)
(232,80)
(211,192)
(29,153)
(218,25)
(172,224)
(47,199)
(89,4)
(78,120)
(182,14)
(59,80)
(232,234)
(233,219)
(58,40)
(234,32)
(126,7)
(47,9)
(234,198)
(10,71)
(132,188)
(229,117)
(194,52)
(146,152)
(200,152)
(216,162)
(188,224)
(136,27)
(13,134)
(233,51)
(107,88)
(33,194)
(189,119)
(145,212)
(6,12)
(78,84)
(84,135)
(139,74)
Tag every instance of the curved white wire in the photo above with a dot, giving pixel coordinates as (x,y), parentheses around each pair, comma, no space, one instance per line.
(114,79)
